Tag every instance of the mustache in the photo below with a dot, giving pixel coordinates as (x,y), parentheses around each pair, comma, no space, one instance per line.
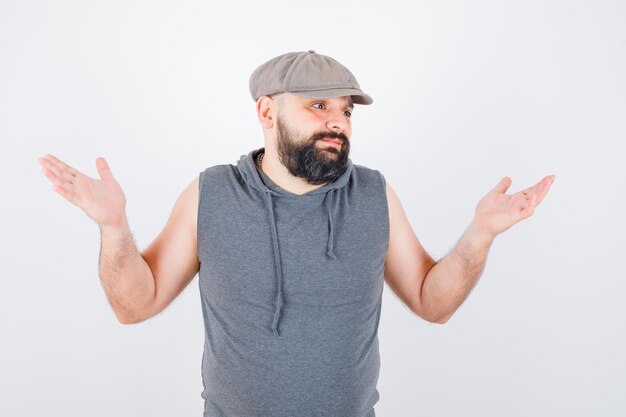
(329,135)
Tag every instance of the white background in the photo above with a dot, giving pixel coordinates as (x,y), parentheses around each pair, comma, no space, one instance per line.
(464,94)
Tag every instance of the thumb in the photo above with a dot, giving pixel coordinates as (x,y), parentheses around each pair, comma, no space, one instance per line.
(503,185)
(103,169)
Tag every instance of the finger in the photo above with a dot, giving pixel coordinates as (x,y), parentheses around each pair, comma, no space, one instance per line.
(526,207)
(103,169)
(539,189)
(62,164)
(520,195)
(57,170)
(503,185)
(543,188)
(69,195)
(56,179)
(530,205)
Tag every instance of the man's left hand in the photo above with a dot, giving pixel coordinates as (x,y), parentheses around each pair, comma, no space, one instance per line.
(497,211)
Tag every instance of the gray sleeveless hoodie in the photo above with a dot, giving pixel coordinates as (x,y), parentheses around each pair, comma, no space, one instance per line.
(291,292)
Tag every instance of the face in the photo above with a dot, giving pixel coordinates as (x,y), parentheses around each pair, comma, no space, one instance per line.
(303,125)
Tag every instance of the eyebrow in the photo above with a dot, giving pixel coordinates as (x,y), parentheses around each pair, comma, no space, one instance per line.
(347,103)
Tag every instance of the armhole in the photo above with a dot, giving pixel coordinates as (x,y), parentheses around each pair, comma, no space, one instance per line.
(200,177)
(386,207)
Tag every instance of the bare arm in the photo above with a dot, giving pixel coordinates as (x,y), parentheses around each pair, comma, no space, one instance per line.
(137,285)
(407,263)
(435,290)
(125,276)
(431,289)
(450,281)
(141,285)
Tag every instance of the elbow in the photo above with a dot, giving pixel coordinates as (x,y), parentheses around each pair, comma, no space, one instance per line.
(125,320)
(128,319)
(433,316)
(133,314)
(442,319)
(430,316)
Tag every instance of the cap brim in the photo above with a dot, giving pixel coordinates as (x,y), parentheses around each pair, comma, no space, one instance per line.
(358,96)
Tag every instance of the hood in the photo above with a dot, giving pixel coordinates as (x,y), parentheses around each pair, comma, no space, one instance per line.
(249,172)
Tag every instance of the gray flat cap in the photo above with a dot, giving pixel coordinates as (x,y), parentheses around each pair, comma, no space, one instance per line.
(307,74)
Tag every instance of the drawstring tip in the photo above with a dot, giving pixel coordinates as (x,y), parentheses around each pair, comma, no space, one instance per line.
(331,255)
(275,331)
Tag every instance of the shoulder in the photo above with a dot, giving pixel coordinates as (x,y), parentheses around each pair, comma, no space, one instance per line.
(186,206)
(368,174)
(216,173)
(394,206)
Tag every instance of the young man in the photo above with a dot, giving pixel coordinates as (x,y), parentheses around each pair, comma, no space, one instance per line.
(292,246)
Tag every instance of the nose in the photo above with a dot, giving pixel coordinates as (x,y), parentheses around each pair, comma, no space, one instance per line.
(337,121)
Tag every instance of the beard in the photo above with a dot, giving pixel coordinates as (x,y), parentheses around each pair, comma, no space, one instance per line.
(302,158)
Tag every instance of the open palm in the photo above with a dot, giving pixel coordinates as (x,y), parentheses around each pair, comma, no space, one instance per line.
(497,211)
(102,199)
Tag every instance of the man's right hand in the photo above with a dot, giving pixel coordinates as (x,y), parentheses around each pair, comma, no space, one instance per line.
(102,199)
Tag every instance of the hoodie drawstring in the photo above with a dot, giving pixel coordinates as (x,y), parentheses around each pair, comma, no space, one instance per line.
(277,263)
(279,272)
(331,221)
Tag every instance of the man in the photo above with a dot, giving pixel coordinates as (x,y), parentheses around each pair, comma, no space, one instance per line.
(292,245)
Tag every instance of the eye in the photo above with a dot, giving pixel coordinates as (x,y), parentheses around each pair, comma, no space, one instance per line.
(347,113)
(321,104)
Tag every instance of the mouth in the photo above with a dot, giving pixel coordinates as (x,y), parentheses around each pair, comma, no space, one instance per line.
(335,142)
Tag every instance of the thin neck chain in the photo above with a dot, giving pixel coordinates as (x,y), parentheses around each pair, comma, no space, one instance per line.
(261,159)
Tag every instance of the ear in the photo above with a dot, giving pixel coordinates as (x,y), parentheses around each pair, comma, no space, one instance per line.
(265,108)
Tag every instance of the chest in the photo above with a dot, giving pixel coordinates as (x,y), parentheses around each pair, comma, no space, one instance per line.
(239,257)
